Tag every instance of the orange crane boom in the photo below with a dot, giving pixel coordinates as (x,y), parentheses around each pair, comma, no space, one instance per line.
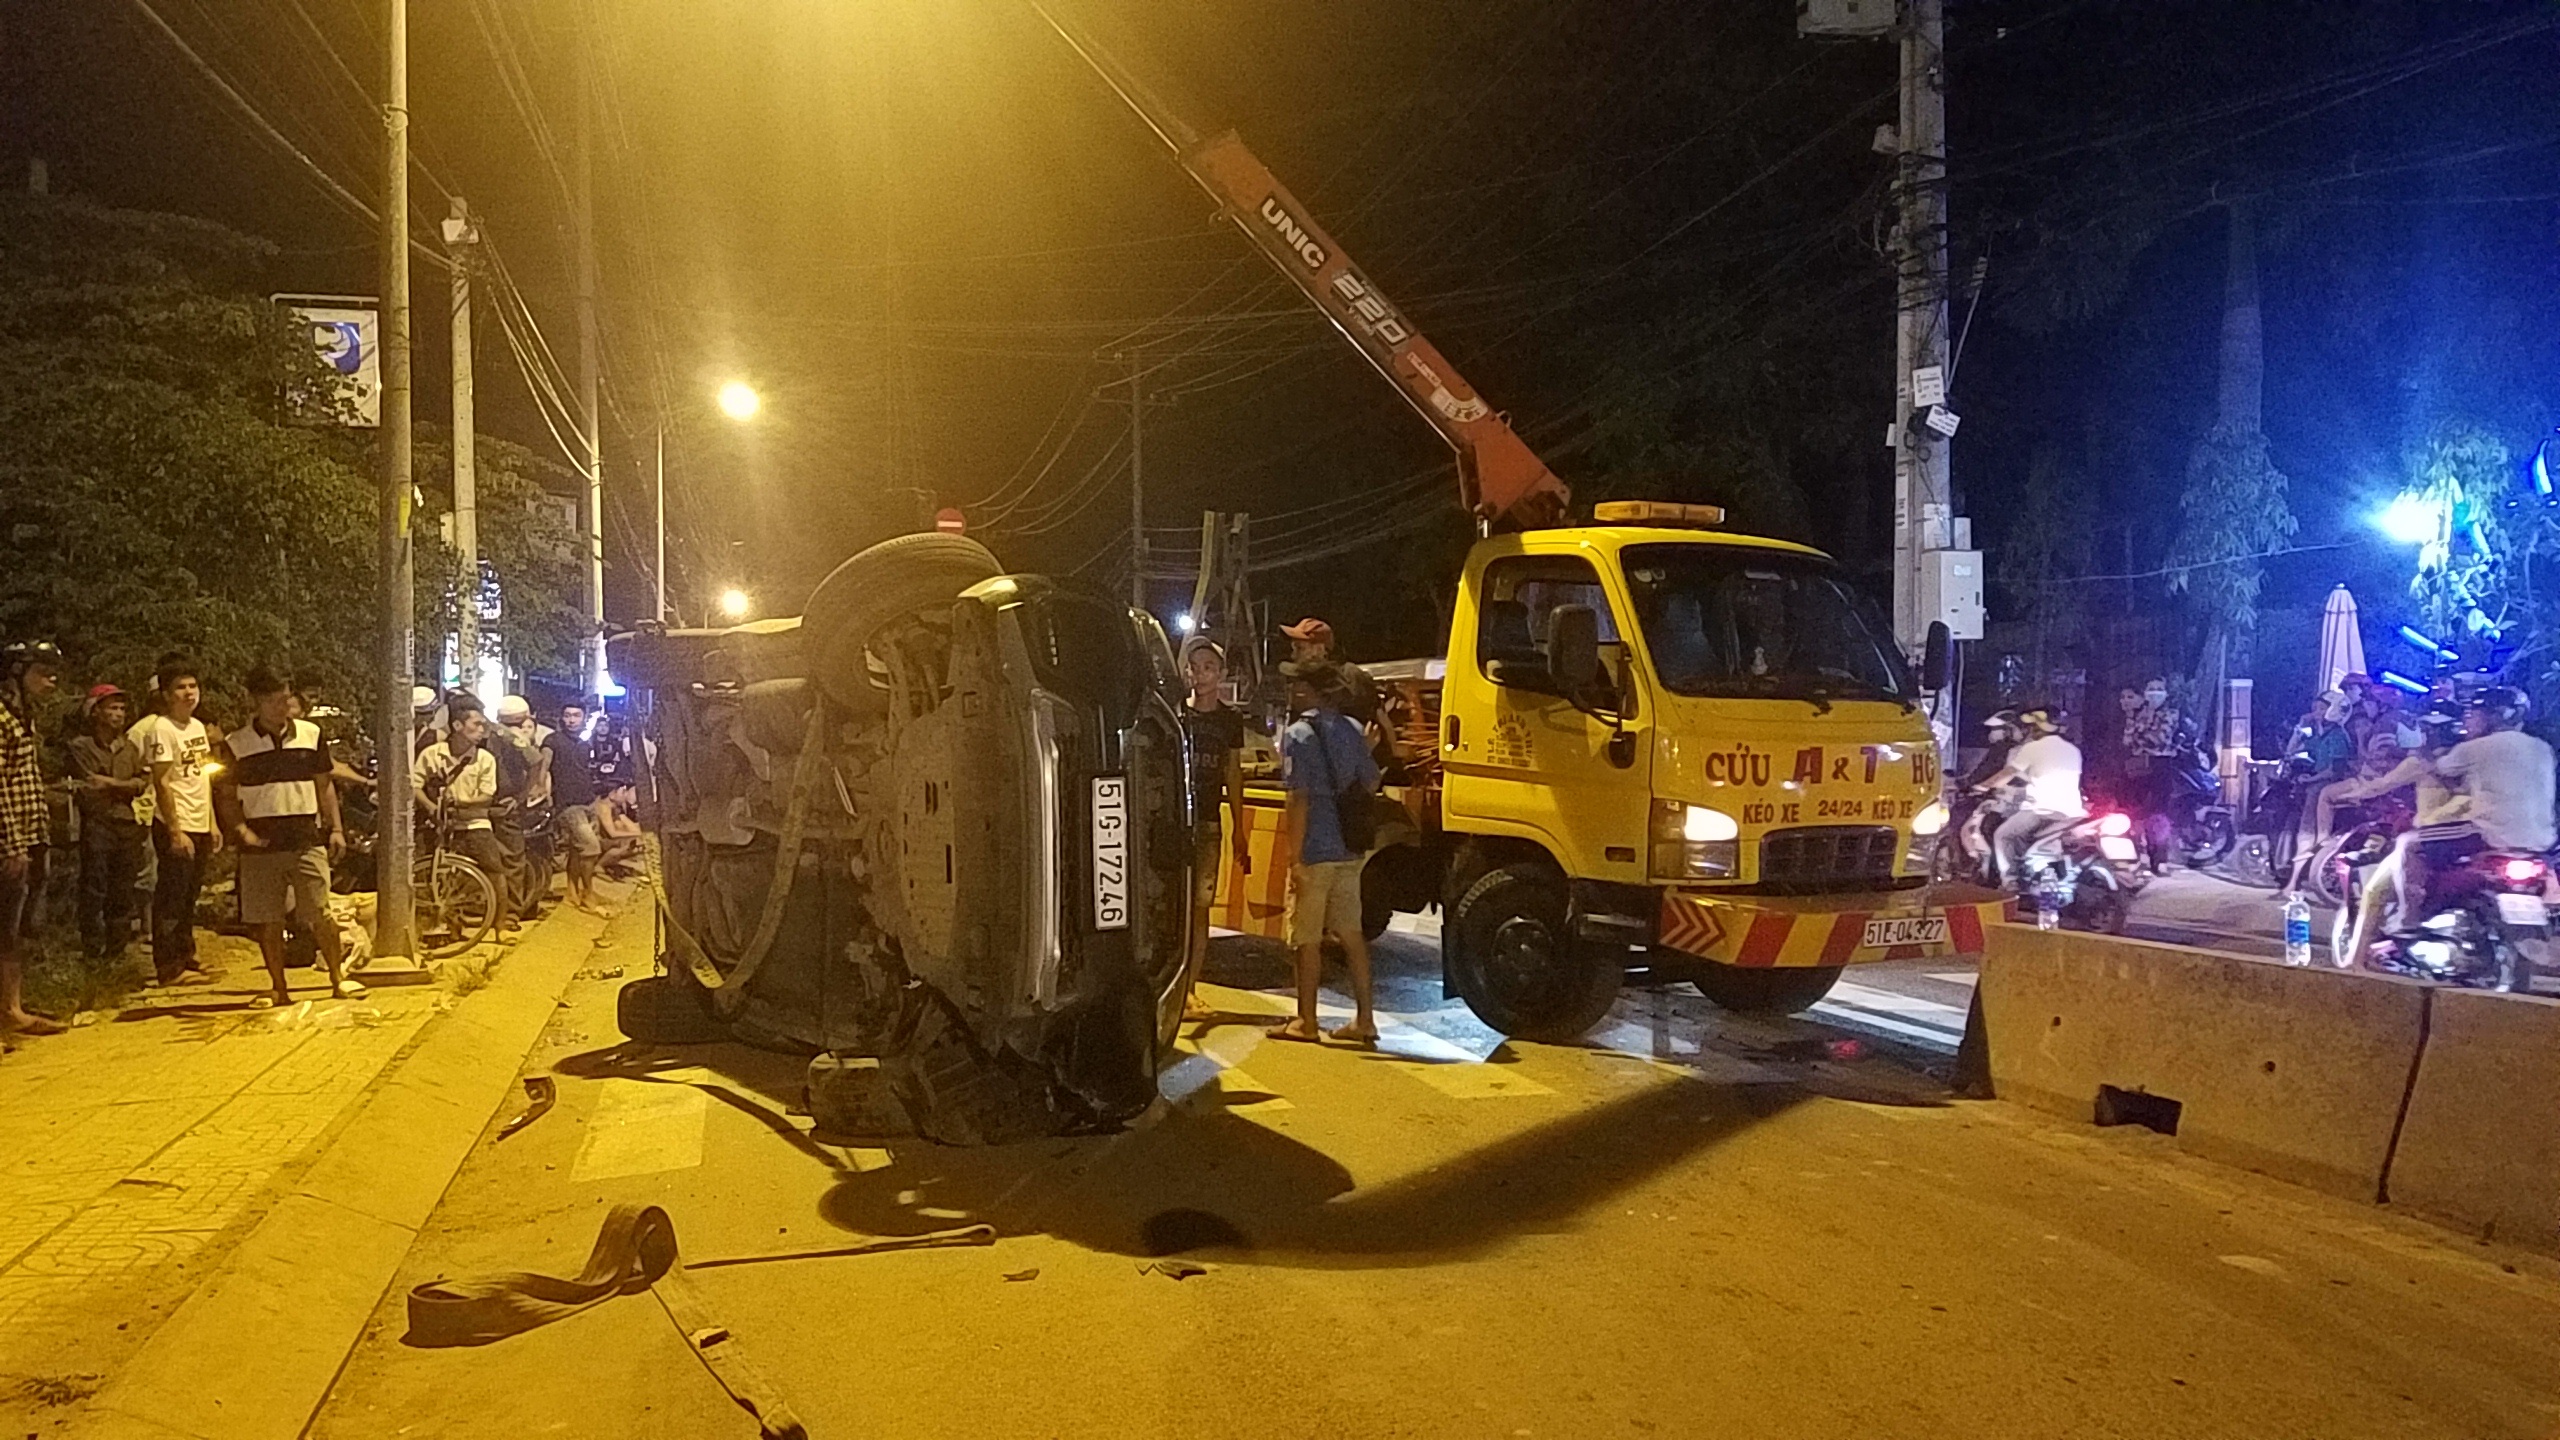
(1501,480)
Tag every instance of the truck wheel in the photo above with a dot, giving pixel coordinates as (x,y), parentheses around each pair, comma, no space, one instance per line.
(891,580)
(663,1010)
(1774,991)
(1515,964)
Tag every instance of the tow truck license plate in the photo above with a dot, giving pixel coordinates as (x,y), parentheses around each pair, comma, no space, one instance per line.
(1111,852)
(2523,910)
(1907,930)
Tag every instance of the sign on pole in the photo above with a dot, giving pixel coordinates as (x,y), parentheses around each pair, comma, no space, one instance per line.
(345,331)
(949,521)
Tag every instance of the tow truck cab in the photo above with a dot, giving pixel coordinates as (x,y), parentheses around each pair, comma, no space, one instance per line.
(1671,748)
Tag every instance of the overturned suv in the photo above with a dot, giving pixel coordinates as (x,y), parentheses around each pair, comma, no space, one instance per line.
(932,833)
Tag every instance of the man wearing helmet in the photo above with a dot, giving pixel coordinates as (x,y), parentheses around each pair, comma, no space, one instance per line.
(2047,767)
(28,674)
(2506,773)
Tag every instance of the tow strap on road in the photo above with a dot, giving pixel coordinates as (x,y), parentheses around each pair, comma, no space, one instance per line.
(635,1251)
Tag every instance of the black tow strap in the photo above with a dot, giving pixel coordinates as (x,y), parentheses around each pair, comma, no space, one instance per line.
(635,1251)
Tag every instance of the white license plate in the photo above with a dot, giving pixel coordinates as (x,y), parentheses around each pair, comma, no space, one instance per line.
(2523,910)
(1907,930)
(2116,847)
(1111,852)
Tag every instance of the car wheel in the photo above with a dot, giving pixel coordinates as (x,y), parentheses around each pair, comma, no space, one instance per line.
(1517,966)
(890,581)
(1774,991)
(665,1010)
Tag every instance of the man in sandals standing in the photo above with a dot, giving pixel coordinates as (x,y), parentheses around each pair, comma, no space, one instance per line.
(1323,757)
(280,805)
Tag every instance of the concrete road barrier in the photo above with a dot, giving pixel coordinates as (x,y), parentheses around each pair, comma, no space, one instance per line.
(2480,1149)
(2299,1074)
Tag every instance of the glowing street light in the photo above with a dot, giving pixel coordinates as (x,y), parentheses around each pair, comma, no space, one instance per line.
(739,400)
(2410,519)
(735,603)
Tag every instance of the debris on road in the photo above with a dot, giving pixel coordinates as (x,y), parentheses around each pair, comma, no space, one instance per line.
(1014,1276)
(543,1092)
(1174,1269)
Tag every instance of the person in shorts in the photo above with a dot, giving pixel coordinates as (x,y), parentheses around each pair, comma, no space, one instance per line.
(1214,731)
(1322,755)
(281,808)
(574,833)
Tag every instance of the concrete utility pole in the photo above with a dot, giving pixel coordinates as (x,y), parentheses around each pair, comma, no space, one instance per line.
(658,571)
(391,727)
(590,352)
(461,238)
(1137,484)
(1921,492)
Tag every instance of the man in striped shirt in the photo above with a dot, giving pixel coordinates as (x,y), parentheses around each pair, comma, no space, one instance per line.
(280,806)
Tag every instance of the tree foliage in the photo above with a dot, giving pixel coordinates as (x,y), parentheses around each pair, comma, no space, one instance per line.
(154,494)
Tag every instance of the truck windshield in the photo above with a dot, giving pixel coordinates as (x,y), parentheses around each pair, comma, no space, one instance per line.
(1726,620)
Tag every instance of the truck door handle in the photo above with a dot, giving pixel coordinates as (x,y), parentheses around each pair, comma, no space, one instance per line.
(1451,743)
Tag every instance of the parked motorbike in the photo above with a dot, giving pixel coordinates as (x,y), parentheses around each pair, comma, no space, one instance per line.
(2202,829)
(2487,926)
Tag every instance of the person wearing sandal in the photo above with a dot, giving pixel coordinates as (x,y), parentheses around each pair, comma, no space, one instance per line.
(1325,764)
(282,809)
(27,677)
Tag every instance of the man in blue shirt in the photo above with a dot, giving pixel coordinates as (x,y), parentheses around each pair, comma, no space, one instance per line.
(1323,754)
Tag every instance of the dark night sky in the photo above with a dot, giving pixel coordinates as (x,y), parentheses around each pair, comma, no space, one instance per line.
(925,230)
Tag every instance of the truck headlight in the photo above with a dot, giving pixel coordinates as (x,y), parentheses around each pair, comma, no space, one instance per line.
(1931,819)
(1694,842)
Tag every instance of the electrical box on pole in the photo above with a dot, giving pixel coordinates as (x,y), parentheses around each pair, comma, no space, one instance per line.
(1845,19)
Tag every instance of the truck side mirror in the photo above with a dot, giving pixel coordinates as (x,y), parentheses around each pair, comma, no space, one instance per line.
(1573,649)
(1935,653)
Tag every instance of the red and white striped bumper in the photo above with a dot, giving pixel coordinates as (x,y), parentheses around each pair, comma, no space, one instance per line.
(1760,931)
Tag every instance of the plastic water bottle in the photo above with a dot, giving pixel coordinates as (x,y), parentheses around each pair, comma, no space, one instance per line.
(2048,905)
(2297,931)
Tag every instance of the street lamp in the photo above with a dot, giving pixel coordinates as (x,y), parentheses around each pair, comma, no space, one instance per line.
(739,401)
(735,603)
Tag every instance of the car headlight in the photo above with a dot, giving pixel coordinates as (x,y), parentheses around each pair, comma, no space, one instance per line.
(1694,842)
(1932,818)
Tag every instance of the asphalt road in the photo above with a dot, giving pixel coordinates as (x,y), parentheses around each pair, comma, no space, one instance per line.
(1699,1226)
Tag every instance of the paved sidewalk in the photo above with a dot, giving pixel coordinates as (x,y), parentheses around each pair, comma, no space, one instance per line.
(136,1152)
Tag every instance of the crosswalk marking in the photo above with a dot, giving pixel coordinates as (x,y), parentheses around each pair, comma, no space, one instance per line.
(642,1128)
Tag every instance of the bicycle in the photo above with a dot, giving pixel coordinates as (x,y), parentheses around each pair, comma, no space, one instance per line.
(455,902)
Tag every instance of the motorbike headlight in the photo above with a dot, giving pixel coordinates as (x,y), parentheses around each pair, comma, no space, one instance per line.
(1694,842)
(1932,818)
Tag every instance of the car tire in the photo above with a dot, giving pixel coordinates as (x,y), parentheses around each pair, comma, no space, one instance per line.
(665,1010)
(1777,990)
(891,580)
(1516,964)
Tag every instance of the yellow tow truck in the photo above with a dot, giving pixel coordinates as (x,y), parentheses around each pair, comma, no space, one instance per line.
(1653,745)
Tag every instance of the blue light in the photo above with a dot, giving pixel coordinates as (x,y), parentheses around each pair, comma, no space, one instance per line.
(607,687)
(2542,470)
(2399,681)
(2410,634)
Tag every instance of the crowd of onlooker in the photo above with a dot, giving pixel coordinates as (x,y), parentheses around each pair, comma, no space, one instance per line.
(112,809)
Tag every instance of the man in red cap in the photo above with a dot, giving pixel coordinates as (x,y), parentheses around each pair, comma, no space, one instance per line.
(1311,640)
(106,778)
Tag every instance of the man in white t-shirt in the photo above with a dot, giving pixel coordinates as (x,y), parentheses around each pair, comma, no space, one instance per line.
(2506,773)
(2047,769)
(176,751)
